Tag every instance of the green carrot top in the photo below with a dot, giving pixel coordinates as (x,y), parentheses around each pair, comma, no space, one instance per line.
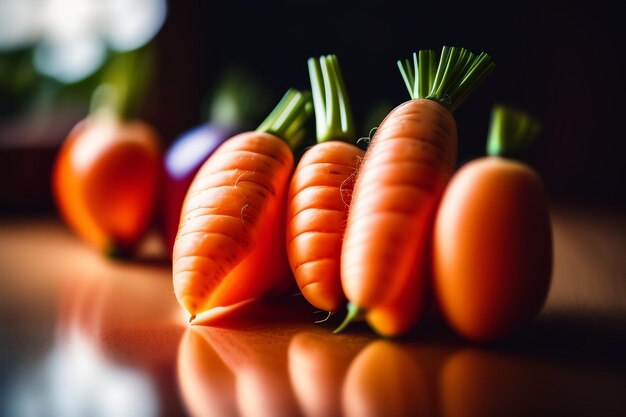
(123,85)
(238,98)
(289,117)
(511,131)
(447,79)
(333,115)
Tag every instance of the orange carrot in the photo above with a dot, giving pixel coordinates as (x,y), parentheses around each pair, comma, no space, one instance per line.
(492,242)
(405,169)
(321,188)
(106,173)
(230,244)
(105,179)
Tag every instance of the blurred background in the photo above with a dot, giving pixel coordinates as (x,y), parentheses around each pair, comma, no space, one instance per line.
(560,60)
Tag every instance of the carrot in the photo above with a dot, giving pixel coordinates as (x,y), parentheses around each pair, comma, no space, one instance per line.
(230,244)
(492,243)
(405,169)
(105,175)
(320,190)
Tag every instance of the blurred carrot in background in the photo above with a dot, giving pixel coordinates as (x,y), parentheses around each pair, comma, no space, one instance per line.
(106,174)
(492,251)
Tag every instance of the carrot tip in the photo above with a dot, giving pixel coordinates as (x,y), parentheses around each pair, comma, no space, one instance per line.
(354,312)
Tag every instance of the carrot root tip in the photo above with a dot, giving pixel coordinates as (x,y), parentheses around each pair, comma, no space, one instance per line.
(354,313)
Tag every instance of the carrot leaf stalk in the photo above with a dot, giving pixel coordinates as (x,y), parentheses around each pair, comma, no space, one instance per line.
(330,100)
(447,79)
(123,84)
(511,131)
(289,117)
(354,313)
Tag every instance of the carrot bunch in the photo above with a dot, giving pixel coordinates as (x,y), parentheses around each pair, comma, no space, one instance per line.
(405,169)
(230,244)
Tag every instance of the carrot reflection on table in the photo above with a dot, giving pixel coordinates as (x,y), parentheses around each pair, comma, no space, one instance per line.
(477,382)
(261,380)
(317,365)
(385,380)
(206,383)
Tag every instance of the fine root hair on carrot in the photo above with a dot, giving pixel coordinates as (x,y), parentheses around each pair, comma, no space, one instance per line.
(325,319)
(343,192)
(365,141)
(241,213)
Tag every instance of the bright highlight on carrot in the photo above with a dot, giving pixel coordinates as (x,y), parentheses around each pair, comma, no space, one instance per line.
(406,167)
(492,243)
(230,245)
(321,189)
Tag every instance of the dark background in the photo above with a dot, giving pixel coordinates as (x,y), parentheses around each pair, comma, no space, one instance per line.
(560,61)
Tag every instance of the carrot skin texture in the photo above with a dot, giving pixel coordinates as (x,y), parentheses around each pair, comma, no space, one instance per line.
(230,244)
(402,176)
(492,248)
(104,180)
(319,196)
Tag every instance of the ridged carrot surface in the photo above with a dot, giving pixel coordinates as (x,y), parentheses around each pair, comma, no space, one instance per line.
(319,197)
(407,165)
(230,244)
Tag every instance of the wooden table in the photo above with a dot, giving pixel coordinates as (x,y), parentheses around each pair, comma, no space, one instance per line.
(83,334)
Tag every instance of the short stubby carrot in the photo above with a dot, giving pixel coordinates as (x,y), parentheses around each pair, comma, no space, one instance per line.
(230,243)
(492,239)
(105,176)
(320,190)
(405,169)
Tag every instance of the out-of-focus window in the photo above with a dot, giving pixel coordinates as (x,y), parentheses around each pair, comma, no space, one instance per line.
(70,39)
(52,54)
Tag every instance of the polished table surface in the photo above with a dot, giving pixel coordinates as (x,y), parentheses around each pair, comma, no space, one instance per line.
(81,335)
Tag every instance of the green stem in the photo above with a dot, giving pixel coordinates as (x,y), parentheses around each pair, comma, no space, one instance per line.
(333,114)
(238,99)
(288,119)
(511,131)
(447,79)
(354,313)
(124,81)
